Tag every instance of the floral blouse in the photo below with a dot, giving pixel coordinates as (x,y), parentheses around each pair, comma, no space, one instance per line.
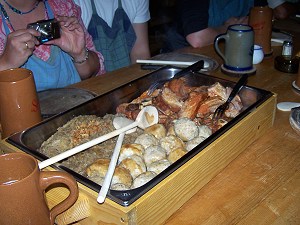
(62,8)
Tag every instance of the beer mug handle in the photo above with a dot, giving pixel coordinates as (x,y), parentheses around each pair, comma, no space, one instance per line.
(216,45)
(57,177)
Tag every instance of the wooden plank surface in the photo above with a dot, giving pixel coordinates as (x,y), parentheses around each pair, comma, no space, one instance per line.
(262,185)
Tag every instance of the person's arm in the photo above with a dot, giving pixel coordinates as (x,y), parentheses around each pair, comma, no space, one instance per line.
(285,10)
(141,48)
(73,42)
(207,36)
(17,48)
(204,37)
(86,63)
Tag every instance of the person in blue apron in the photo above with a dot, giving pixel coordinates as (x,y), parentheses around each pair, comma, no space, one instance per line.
(69,60)
(199,22)
(122,37)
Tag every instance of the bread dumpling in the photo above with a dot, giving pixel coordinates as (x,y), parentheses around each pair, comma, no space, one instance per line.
(119,187)
(98,168)
(97,171)
(142,179)
(171,130)
(159,166)
(176,154)
(171,142)
(135,164)
(129,150)
(146,140)
(185,129)
(154,153)
(157,130)
(204,131)
(194,142)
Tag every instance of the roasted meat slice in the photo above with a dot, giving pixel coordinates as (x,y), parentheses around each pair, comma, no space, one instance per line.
(190,107)
(234,107)
(171,99)
(208,106)
(180,87)
(130,110)
(218,89)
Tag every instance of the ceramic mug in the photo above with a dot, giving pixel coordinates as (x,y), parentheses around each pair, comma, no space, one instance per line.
(258,54)
(297,81)
(238,54)
(19,105)
(260,19)
(22,191)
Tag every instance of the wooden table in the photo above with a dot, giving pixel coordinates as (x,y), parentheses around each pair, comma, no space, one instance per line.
(262,185)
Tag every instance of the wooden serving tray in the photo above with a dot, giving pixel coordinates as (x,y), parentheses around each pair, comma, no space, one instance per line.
(171,193)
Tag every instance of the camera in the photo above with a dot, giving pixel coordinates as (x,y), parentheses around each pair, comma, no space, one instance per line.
(49,29)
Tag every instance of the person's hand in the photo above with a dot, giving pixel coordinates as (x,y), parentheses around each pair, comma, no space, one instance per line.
(19,46)
(237,20)
(72,37)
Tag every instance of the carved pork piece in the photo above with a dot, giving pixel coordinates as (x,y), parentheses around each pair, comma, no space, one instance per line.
(190,107)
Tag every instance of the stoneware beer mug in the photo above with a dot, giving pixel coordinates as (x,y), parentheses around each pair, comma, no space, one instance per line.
(22,191)
(260,19)
(238,54)
(19,105)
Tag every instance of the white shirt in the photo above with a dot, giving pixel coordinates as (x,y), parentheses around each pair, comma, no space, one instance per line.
(137,10)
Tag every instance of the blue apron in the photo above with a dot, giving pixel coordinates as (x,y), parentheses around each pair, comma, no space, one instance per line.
(58,71)
(115,42)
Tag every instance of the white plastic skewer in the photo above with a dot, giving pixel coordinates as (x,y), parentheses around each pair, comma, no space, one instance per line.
(277,40)
(114,159)
(163,62)
(111,169)
(166,62)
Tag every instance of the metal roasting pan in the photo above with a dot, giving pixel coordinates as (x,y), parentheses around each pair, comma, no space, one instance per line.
(31,139)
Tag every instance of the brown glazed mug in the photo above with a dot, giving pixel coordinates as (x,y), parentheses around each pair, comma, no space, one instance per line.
(22,191)
(19,105)
(260,19)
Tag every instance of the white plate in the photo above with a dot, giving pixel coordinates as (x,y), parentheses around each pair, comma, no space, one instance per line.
(210,63)
(295,119)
